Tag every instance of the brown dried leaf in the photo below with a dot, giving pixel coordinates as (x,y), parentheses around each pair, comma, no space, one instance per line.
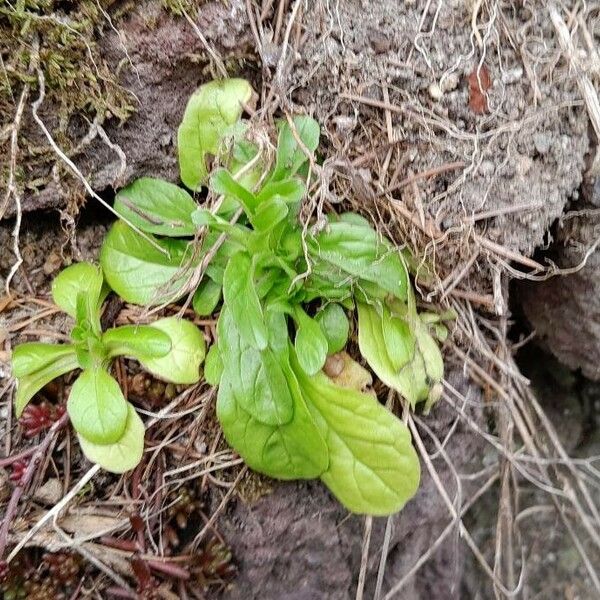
(479,82)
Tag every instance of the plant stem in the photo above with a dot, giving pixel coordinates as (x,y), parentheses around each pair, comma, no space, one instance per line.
(9,460)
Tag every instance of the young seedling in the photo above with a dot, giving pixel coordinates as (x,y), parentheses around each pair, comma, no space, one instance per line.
(286,292)
(110,431)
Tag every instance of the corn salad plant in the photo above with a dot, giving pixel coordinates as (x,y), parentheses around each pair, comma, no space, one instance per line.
(285,292)
(110,431)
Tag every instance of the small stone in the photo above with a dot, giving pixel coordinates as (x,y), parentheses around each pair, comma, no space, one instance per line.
(435,91)
(524,164)
(334,365)
(344,123)
(594,196)
(487,168)
(541,142)
(450,83)
(49,493)
(380,43)
(52,264)
(512,75)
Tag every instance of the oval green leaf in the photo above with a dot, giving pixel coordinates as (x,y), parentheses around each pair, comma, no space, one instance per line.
(295,450)
(239,294)
(81,277)
(212,109)
(138,271)
(256,376)
(207,297)
(362,253)
(126,453)
(311,343)
(290,156)
(157,206)
(335,326)
(97,407)
(373,467)
(410,380)
(223,184)
(29,385)
(32,356)
(188,349)
(136,341)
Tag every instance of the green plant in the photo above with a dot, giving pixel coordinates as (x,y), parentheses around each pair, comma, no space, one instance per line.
(109,430)
(286,290)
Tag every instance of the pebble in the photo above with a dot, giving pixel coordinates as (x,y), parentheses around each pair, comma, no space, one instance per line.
(344,123)
(435,91)
(512,75)
(542,142)
(450,83)
(380,43)
(49,493)
(53,263)
(524,164)
(487,168)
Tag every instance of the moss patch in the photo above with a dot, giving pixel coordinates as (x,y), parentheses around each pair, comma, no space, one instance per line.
(60,39)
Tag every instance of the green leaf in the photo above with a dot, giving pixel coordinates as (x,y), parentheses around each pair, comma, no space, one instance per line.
(327,281)
(188,349)
(354,219)
(256,376)
(213,366)
(87,313)
(360,252)
(239,294)
(295,450)
(291,191)
(243,152)
(373,467)
(335,325)
(398,338)
(434,363)
(32,356)
(269,214)
(207,297)
(216,267)
(212,109)
(125,453)
(290,157)
(223,184)
(157,206)
(311,343)
(203,217)
(80,277)
(97,407)
(140,273)
(29,385)
(136,341)
(410,380)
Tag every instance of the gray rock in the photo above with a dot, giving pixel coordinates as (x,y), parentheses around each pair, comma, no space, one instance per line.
(564,310)
(542,142)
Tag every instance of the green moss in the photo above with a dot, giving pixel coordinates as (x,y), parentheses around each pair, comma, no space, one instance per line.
(61,39)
